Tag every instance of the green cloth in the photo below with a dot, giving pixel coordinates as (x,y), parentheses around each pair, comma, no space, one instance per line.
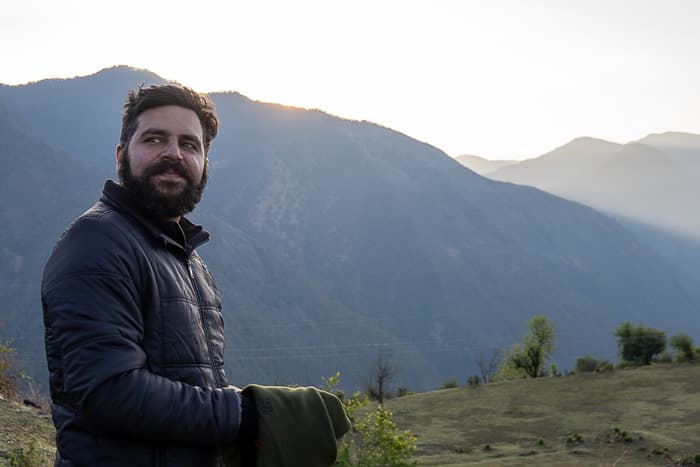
(298,427)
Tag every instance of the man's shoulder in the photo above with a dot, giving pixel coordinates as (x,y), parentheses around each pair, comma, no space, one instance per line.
(98,240)
(101,221)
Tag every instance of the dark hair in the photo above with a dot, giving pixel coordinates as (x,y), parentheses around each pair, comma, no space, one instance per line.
(141,99)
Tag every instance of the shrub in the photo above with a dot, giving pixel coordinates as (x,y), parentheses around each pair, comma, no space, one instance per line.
(664,357)
(381,443)
(586,364)
(683,344)
(8,374)
(376,440)
(639,344)
(474,380)
(554,370)
(403,392)
(507,369)
(450,383)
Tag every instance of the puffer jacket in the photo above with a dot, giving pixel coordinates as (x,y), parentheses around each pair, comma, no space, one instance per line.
(134,342)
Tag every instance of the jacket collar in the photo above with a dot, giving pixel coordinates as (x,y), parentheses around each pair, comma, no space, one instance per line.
(184,235)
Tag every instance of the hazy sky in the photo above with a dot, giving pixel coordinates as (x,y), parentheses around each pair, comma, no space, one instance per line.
(496,78)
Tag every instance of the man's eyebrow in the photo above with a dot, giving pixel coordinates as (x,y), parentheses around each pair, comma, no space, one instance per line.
(161,132)
(153,131)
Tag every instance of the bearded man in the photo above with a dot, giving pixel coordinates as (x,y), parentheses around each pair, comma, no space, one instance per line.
(133,325)
(134,330)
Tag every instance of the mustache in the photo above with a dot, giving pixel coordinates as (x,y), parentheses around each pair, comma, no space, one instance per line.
(166,166)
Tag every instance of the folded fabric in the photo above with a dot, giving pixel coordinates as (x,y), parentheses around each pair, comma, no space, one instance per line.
(298,427)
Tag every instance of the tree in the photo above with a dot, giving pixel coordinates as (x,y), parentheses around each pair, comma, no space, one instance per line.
(384,371)
(683,344)
(488,364)
(536,348)
(639,344)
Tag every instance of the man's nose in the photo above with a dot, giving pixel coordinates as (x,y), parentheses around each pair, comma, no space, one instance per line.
(172,150)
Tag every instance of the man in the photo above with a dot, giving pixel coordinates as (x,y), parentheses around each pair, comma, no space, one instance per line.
(134,330)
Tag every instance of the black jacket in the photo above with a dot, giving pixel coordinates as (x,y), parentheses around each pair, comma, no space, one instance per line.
(134,342)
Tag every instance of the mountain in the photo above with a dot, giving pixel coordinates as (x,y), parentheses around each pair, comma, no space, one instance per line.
(78,115)
(674,143)
(482,166)
(43,189)
(652,181)
(336,241)
(649,185)
(561,167)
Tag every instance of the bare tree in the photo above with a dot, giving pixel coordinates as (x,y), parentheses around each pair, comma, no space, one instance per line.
(487,363)
(382,373)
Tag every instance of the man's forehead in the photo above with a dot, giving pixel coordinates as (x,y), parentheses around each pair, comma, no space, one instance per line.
(171,119)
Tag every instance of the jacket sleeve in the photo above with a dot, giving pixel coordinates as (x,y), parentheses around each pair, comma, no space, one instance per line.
(92,313)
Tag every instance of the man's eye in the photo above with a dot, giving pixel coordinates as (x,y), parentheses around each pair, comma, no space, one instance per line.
(153,139)
(189,145)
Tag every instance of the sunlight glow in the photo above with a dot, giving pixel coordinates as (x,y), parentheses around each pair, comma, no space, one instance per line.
(500,79)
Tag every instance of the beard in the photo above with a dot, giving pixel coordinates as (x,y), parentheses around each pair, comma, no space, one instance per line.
(160,204)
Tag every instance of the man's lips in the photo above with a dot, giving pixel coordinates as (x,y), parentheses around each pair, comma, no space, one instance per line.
(170,173)
(169,176)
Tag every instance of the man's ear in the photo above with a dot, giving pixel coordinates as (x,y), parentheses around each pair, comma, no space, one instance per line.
(118,153)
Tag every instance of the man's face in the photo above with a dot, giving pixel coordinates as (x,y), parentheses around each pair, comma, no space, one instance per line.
(164,163)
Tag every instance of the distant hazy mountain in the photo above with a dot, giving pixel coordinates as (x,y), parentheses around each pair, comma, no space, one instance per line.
(654,180)
(674,143)
(561,167)
(482,166)
(336,241)
(650,185)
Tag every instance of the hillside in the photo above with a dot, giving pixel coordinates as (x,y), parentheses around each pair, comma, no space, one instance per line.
(657,407)
(336,241)
(25,431)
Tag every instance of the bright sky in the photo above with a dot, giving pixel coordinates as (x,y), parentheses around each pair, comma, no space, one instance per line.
(495,78)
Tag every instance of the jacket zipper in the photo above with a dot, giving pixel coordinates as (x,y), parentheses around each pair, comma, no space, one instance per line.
(207,331)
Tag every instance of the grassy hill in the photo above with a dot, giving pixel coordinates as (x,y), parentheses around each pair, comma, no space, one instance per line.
(634,417)
(560,421)
(27,431)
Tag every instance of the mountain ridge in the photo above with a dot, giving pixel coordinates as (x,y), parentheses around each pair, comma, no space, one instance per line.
(337,241)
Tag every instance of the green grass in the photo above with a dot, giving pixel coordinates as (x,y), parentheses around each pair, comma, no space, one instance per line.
(524,422)
(23,428)
(560,421)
